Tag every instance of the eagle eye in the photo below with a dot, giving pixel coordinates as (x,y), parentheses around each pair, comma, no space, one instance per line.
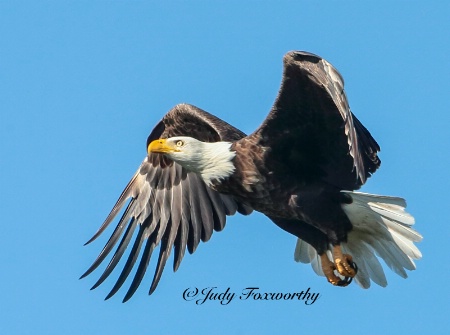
(179,143)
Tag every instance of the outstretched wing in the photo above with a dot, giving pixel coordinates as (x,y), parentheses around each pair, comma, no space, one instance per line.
(169,206)
(311,132)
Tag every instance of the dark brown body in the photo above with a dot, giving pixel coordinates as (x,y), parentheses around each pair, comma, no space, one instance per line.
(296,208)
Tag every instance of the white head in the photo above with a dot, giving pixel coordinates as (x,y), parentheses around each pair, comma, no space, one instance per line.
(213,161)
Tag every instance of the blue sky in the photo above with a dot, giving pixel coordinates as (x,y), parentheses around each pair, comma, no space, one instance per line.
(81,85)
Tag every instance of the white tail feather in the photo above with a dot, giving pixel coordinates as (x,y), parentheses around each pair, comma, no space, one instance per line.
(381,227)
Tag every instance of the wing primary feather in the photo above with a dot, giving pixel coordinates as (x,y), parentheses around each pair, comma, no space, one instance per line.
(109,245)
(164,253)
(163,182)
(130,261)
(218,209)
(151,171)
(176,206)
(154,178)
(162,198)
(244,209)
(117,207)
(229,203)
(176,215)
(177,173)
(180,244)
(166,232)
(195,229)
(143,264)
(118,254)
(205,212)
(183,229)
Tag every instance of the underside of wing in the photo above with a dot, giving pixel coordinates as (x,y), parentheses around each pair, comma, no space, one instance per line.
(311,132)
(169,206)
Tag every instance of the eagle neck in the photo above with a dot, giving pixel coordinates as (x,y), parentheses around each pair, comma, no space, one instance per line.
(216,162)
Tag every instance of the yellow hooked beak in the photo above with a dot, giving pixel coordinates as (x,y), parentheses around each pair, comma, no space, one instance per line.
(161,146)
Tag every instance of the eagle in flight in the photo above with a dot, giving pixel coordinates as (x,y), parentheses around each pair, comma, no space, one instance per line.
(300,168)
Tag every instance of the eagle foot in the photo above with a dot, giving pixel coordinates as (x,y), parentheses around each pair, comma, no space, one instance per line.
(347,278)
(343,265)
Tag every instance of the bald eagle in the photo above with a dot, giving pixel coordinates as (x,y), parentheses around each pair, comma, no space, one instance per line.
(300,168)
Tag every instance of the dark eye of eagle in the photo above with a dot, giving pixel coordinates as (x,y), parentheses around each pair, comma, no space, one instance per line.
(179,143)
